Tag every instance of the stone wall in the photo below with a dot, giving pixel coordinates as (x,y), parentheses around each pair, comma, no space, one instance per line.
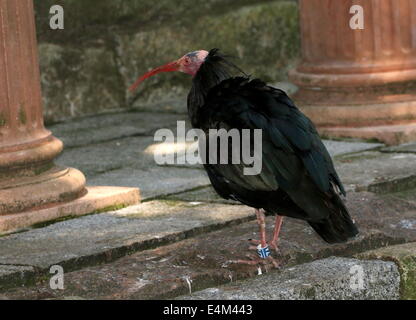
(87,67)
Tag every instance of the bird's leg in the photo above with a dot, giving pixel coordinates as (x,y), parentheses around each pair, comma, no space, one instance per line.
(275,239)
(277,226)
(261,220)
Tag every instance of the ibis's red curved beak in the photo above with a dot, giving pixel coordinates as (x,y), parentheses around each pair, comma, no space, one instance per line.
(171,66)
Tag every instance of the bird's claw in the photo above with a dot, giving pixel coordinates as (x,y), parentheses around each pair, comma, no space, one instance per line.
(255,260)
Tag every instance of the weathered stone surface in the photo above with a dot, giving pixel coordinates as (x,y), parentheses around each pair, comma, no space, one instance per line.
(154,182)
(130,162)
(71,242)
(254,22)
(327,279)
(406,147)
(101,128)
(107,13)
(112,155)
(11,275)
(405,257)
(91,136)
(377,172)
(94,200)
(337,148)
(407,195)
(201,194)
(369,170)
(205,258)
(78,82)
(119,44)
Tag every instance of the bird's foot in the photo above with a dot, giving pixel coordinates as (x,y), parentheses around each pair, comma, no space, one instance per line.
(255,260)
(275,247)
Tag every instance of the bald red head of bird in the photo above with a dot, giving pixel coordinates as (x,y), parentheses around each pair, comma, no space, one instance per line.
(189,63)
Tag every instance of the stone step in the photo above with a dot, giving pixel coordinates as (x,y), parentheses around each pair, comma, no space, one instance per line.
(104,246)
(404,256)
(106,127)
(102,237)
(406,147)
(387,273)
(377,172)
(332,278)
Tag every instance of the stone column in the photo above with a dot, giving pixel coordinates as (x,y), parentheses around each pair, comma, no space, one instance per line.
(359,82)
(30,183)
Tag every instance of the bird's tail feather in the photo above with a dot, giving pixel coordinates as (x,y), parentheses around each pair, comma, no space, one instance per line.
(338,226)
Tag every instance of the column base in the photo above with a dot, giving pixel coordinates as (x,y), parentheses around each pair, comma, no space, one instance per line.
(388,134)
(52,186)
(95,199)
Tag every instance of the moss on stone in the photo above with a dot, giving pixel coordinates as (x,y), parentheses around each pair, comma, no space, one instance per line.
(87,20)
(78,81)
(407,195)
(70,217)
(404,256)
(87,67)
(408,271)
(264,40)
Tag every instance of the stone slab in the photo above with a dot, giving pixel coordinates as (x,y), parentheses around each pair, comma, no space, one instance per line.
(130,162)
(377,172)
(96,198)
(145,225)
(363,171)
(334,147)
(203,260)
(101,128)
(85,137)
(332,278)
(406,147)
(14,275)
(175,103)
(207,194)
(407,195)
(156,181)
(102,157)
(405,257)
(337,148)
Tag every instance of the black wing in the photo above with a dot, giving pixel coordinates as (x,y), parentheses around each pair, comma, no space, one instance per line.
(294,158)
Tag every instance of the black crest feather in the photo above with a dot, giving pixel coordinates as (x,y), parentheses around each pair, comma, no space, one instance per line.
(216,68)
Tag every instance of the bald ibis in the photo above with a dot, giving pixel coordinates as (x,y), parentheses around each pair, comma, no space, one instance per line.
(297,179)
